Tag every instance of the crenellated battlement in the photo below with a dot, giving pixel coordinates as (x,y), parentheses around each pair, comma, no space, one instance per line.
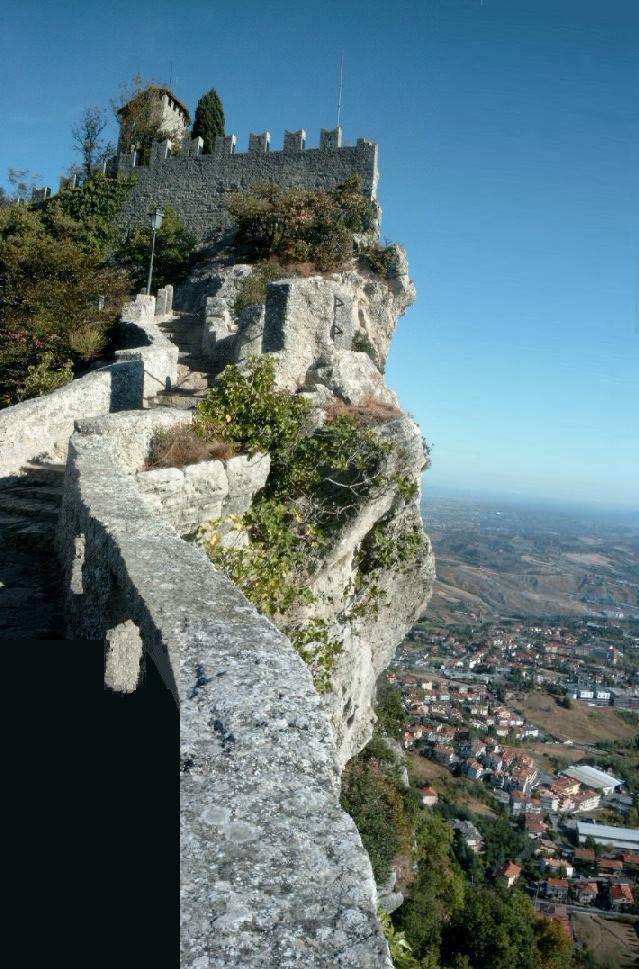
(195,184)
(258,144)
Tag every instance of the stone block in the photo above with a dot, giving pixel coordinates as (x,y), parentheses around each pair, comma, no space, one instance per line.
(330,138)
(294,140)
(260,144)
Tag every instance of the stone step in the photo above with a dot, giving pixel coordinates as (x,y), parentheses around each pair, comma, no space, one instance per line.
(193,380)
(27,532)
(187,399)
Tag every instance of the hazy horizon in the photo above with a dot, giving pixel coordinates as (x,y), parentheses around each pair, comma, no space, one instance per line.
(629,513)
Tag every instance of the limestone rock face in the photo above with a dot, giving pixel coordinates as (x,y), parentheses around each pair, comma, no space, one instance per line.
(370,642)
(329,336)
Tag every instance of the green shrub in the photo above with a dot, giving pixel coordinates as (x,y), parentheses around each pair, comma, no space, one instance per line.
(375,803)
(317,481)
(252,290)
(362,344)
(379,258)
(300,225)
(401,952)
(93,206)
(247,410)
(43,377)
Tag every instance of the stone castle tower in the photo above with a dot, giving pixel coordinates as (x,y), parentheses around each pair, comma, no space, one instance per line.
(153,108)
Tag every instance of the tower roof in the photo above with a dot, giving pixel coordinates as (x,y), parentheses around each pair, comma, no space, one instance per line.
(160,91)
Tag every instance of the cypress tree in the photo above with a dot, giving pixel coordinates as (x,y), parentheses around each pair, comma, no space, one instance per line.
(209,119)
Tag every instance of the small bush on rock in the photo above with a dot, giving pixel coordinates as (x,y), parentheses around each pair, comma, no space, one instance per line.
(247,410)
(44,377)
(362,344)
(370,411)
(252,290)
(175,447)
(379,258)
(317,482)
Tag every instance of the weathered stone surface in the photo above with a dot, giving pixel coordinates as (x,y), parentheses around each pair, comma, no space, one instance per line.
(272,868)
(130,432)
(220,324)
(390,902)
(370,642)
(310,327)
(191,496)
(123,657)
(354,377)
(40,428)
(143,340)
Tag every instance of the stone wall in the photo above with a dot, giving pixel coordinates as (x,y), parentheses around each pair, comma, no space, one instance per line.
(195,185)
(199,493)
(40,428)
(272,869)
(147,343)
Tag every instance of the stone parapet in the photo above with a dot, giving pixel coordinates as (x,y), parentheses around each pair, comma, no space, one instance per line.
(272,869)
(148,344)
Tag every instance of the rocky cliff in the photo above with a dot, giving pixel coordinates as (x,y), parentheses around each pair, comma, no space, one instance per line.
(328,335)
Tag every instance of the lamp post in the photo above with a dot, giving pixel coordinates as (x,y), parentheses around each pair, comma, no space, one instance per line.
(156,222)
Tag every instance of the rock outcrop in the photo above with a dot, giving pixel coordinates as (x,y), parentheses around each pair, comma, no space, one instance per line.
(328,335)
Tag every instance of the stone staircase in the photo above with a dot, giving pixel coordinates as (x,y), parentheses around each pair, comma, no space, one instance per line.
(29,578)
(185,331)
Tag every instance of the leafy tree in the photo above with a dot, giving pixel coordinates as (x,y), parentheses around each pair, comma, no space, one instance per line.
(209,119)
(554,950)
(87,138)
(375,803)
(93,206)
(173,251)
(391,715)
(51,283)
(494,929)
(437,892)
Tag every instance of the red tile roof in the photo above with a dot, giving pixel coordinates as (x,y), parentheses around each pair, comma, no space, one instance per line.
(622,892)
(509,870)
(558,882)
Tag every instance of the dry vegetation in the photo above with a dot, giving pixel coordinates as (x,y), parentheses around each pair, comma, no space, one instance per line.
(608,941)
(370,411)
(175,447)
(581,723)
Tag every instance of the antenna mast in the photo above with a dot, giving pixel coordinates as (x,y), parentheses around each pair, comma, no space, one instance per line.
(341,85)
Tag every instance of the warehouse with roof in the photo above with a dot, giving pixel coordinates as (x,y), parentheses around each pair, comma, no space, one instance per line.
(608,834)
(592,777)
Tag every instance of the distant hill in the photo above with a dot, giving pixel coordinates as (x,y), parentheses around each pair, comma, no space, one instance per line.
(508,560)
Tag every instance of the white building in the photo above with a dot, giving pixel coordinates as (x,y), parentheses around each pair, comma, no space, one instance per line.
(594,778)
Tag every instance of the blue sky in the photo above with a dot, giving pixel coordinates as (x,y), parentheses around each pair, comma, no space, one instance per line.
(509,137)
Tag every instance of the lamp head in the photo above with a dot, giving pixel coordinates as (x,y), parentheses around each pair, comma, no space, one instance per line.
(156,218)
